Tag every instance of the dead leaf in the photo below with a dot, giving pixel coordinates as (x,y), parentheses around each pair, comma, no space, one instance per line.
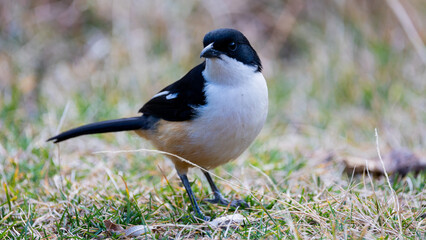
(225,221)
(137,230)
(133,231)
(112,227)
(400,161)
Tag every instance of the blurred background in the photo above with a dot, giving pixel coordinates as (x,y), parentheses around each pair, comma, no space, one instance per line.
(336,70)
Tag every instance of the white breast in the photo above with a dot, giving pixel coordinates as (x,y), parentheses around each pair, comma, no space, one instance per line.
(236,109)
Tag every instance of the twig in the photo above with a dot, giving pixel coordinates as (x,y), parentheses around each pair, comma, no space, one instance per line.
(390,185)
(229,224)
(267,177)
(64,113)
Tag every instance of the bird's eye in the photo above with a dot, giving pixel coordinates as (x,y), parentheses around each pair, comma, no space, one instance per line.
(232,46)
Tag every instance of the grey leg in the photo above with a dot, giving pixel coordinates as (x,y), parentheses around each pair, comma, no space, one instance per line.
(218,197)
(197,210)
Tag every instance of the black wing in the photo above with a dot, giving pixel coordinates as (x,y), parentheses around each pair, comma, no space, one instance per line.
(176,102)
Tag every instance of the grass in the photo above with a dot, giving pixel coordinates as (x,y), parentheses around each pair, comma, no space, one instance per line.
(341,72)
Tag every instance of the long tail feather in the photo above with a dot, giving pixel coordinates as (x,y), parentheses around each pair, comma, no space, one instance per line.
(116,125)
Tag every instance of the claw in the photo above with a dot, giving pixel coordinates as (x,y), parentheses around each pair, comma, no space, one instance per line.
(239,203)
(220,201)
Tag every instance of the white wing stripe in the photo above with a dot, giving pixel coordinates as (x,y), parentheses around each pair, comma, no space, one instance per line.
(161,94)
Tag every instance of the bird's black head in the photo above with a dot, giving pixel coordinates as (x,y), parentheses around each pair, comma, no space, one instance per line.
(233,44)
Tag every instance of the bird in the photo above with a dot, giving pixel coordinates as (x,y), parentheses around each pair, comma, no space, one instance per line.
(208,117)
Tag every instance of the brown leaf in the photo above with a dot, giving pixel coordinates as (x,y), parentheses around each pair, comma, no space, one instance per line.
(133,231)
(112,227)
(400,161)
(404,161)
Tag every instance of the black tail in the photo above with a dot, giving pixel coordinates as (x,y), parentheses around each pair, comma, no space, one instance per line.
(116,125)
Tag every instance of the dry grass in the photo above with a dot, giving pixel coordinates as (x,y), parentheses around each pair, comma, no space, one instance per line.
(336,70)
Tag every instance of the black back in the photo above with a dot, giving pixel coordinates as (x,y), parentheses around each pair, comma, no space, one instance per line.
(190,94)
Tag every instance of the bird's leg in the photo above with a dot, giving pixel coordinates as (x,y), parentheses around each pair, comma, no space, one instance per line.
(197,210)
(218,197)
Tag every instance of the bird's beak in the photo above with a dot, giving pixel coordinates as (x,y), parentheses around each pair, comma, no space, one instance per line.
(210,52)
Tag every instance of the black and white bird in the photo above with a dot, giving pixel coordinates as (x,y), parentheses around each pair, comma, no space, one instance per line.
(208,117)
